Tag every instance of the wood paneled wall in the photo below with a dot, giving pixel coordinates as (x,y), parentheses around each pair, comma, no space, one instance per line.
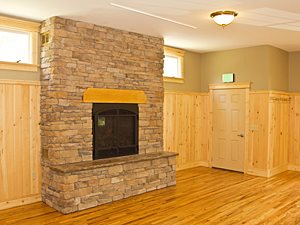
(294,139)
(19,142)
(279,104)
(186,127)
(258,133)
(268,133)
(186,130)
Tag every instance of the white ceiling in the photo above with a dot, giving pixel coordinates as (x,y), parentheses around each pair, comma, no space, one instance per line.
(260,22)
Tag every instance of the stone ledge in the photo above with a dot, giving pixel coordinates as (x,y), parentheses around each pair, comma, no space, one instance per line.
(68,188)
(101,163)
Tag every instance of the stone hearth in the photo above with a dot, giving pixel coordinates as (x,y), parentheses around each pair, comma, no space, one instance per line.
(80,56)
(78,186)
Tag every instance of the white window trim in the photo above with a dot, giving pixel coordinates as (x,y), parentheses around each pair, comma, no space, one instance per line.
(177,53)
(28,26)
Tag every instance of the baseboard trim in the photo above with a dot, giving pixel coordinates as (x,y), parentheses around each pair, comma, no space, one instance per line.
(268,173)
(191,165)
(257,172)
(293,168)
(20,201)
(277,170)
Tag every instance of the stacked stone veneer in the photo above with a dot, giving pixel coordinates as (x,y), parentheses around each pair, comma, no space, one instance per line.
(78,56)
(84,185)
(81,55)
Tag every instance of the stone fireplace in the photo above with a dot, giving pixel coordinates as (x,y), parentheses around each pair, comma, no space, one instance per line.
(85,64)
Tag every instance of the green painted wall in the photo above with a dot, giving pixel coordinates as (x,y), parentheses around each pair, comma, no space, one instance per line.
(266,67)
(19,75)
(192,78)
(294,71)
(278,69)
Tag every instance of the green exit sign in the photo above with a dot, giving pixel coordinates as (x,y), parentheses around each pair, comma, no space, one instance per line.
(228,77)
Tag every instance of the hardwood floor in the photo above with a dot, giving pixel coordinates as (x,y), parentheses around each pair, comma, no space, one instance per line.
(202,196)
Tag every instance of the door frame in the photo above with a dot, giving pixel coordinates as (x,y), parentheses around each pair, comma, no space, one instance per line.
(229,86)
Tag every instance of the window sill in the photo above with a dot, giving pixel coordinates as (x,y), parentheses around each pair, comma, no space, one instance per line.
(174,80)
(18,66)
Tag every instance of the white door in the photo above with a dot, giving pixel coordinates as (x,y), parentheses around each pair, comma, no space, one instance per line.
(228,146)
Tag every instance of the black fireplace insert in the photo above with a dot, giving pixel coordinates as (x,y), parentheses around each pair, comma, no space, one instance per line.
(115,130)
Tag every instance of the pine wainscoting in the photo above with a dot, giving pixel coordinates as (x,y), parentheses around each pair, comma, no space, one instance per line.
(273,130)
(20,169)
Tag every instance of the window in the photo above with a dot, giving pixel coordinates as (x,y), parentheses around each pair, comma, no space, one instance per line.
(18,44)
(173,65)
(14,46)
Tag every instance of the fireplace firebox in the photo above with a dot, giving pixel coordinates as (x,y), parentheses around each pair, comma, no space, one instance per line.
(115,130)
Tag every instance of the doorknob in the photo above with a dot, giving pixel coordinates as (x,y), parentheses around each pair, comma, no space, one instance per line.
(240,135)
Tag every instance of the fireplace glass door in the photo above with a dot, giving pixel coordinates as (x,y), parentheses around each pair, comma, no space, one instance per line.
(115,130)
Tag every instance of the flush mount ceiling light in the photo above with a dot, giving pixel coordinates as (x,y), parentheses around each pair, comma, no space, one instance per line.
(223,18)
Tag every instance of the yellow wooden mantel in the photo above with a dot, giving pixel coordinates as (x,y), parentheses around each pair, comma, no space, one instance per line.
(100,95)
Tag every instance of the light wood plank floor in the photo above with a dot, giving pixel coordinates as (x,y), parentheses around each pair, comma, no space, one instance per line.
(202,196)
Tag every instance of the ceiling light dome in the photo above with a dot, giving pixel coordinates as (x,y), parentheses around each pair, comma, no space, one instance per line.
(223,18)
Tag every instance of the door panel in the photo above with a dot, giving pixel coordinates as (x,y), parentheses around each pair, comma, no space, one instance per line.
(221,154)
(229,129)
(235,150)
